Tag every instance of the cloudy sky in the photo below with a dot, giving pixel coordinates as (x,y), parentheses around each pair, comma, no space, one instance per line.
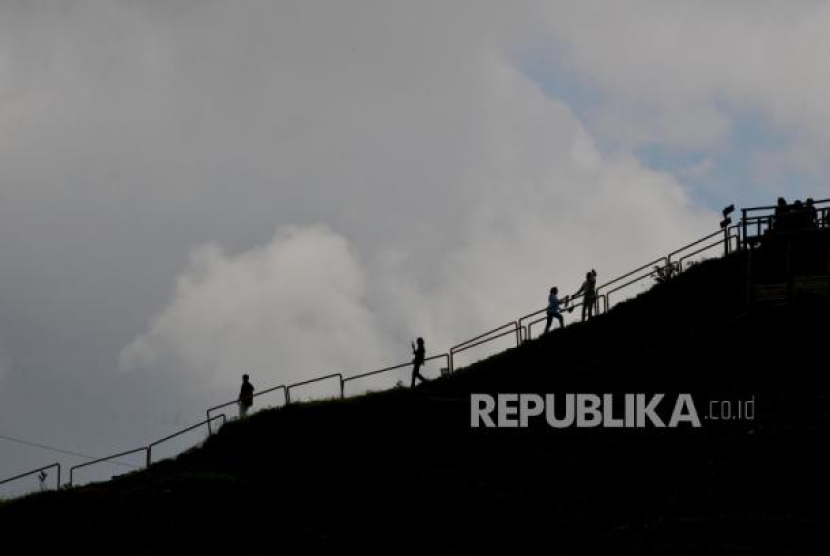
(194,190)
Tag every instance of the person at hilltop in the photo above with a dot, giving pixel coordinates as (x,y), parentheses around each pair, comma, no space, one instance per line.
(812,214)
(589,292)
(554,309)
(246,397)
(419,353)
(782,210)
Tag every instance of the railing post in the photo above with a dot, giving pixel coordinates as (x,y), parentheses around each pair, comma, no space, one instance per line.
(725,241)
(743,225)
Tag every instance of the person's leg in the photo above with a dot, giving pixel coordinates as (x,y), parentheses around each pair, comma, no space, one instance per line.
(550,320)
(560,319)
(418,372)
(587,308)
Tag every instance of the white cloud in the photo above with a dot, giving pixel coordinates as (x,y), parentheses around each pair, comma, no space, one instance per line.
(542,206)
(282,313)
(678,74)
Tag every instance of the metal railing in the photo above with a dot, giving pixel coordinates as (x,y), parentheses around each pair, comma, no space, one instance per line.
(36,471)
(661,262)
(236,401)
(762,223)
(148,450)
(712,245)
(511,327)
(723,236)
(408,364)
(101,460)
(181,432)
(338,376)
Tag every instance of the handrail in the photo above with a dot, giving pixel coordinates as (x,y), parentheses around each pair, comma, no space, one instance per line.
(664,260)
(483,339)
(181,432)
(630,282)
(699,251)
(100,460)
(235,401)
(512,324)
(39,470)
(530,316)
(773,207)
(310,381)
(699,241)
(379,371)
(393,368)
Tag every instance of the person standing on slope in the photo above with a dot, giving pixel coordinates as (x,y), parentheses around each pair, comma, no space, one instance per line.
(589,291)
(246,397)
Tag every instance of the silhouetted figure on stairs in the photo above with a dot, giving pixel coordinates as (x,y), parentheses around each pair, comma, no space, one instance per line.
(782,210)
(419,353)
(246,397)
(589,291)
(554,309)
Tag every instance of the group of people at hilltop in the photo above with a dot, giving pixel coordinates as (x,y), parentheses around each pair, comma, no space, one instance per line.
(796,216)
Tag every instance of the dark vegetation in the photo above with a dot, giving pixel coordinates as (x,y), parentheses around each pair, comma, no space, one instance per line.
(402,472)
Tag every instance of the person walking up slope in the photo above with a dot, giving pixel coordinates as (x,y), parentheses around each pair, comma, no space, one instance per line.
(554,309)
(419,353)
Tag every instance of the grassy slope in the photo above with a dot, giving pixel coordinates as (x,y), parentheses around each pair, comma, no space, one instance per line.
(402,472)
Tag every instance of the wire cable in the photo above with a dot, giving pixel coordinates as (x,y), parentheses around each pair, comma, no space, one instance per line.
(60,451)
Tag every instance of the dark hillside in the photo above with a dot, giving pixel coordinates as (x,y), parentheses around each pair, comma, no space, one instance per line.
(402,472)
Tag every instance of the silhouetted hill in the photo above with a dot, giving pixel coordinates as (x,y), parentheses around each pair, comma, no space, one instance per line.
(402,472)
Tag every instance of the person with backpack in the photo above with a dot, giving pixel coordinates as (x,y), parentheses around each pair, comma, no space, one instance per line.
(246,397)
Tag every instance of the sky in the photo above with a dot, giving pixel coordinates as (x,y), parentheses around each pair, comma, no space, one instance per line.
(195,190)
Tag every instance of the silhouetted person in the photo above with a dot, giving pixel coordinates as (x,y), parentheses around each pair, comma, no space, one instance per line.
(554,309)
(419,353)
(246,397)
(589,291)
(800,216)
(812,213)
(781,214)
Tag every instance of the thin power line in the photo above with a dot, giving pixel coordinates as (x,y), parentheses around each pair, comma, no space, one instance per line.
(60,451)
